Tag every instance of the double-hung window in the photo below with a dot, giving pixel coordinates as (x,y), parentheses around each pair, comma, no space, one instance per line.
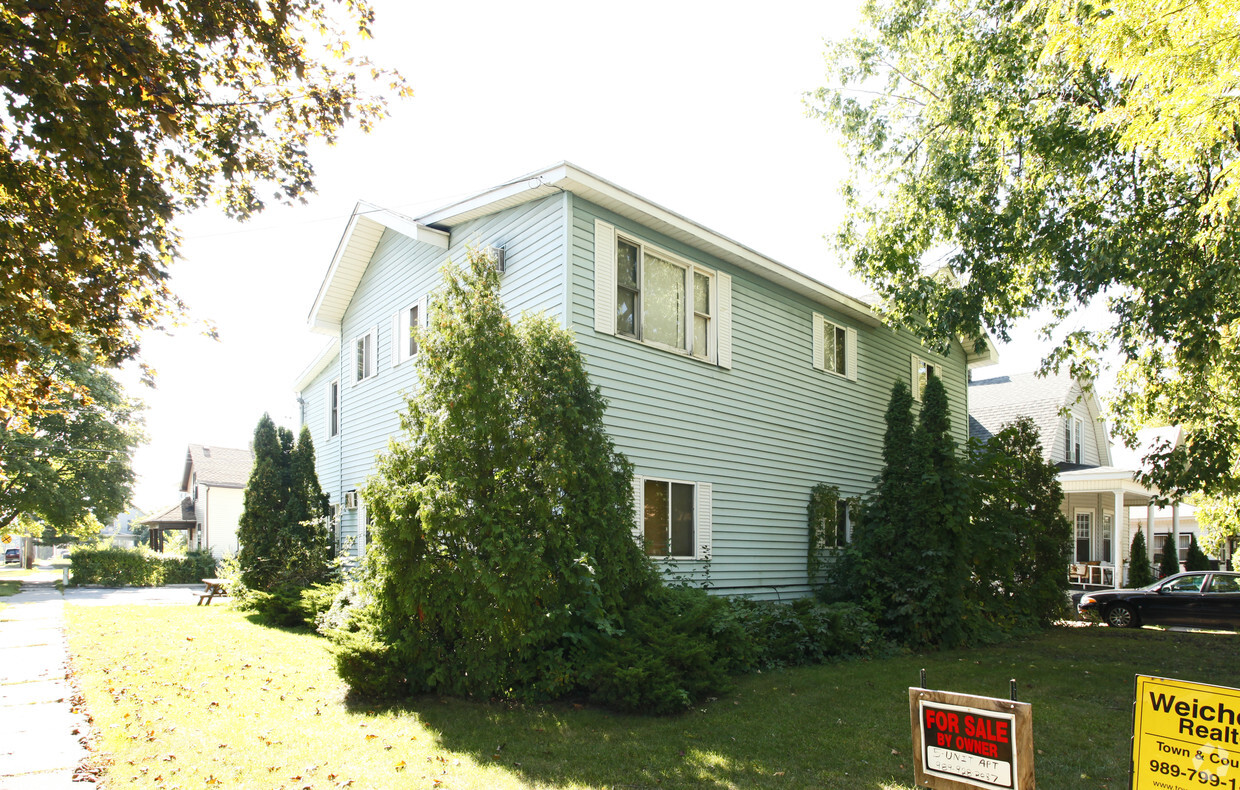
(647,294)
(673,517)
(364,356)
(834,347)
(1084,528)
(923,369)
(333,408)
(1078,433)
(404,337)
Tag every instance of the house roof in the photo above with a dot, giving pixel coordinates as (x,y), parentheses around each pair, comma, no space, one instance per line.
(223,467)
(366,227)
(997,401)
(179,514)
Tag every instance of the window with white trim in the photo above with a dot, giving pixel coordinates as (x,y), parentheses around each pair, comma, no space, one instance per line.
(834,347)
(663,300)
(363,526)
(673,518)
(1108,521)
(404,339)
(843,525)
(333,408)
(922,370)
(1078,441)
(1084,526)
(364,356)
(1067,439)
(649,295)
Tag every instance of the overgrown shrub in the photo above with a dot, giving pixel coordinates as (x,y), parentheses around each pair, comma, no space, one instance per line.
(114,566)
(806,632)
(290,606)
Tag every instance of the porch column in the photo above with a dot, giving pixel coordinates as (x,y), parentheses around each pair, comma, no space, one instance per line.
(1119,544)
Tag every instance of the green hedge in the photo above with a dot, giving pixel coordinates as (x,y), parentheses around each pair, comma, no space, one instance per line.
(138,567)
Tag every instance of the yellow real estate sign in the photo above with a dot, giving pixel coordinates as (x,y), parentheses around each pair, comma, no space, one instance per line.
(1186,736)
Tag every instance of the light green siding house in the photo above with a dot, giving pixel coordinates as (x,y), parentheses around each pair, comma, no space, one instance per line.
(734,383)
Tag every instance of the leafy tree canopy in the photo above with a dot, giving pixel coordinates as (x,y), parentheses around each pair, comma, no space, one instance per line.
(1219,518)
(69,468)
(117,117)
(1002,155)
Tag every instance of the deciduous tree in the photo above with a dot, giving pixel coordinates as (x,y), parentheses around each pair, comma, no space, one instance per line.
(120,116)
(69,468)
(984,147)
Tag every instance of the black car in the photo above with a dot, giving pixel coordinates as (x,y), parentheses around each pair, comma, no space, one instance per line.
(1195,599)
(12,555)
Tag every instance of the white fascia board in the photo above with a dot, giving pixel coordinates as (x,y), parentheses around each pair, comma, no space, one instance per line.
(361,237)
(316,367)
(570,178)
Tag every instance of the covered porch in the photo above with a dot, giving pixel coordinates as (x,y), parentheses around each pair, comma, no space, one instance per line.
(178,517)
(1097,502)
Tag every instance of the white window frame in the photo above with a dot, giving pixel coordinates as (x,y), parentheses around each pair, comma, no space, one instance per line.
(1107,536)
(404,346)
(920,363)
(703,493)
(1088,536)
(362,528)
(333,409)
(718,349)
(823,328)
(842,509)
(1078,441)
(689,270)
(367,344)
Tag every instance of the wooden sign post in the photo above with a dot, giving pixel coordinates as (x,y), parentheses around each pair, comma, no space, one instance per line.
(962,741)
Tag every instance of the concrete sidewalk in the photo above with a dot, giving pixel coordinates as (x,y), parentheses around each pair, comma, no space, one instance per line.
(41,733)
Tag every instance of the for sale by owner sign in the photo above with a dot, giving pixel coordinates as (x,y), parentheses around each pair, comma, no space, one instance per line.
(963,741)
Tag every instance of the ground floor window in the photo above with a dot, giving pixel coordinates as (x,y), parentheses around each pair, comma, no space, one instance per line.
(1084,526)
(669,518)
(1107,523)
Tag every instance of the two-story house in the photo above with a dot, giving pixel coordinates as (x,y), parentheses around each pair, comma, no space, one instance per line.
(734,383)
(1098,494)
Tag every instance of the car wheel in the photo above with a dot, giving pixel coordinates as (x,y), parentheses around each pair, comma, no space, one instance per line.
(1121,616)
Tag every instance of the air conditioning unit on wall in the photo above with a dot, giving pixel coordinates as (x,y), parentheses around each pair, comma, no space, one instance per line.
(350,500)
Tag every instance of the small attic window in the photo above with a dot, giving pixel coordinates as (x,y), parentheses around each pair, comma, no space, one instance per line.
(206,452)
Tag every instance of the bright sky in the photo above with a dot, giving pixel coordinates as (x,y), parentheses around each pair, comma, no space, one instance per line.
(688,104)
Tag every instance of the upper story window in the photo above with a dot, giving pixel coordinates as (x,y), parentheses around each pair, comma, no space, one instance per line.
(923,369)
(647,294)
(333,408)
(835,347)
(364,356)
(1073,439)
(404,340)
(661,300)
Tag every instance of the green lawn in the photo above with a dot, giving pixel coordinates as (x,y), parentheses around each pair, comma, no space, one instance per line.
(193,697)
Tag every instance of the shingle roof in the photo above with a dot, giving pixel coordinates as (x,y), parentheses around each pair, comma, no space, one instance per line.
(998,401)
(180,513)
(217,466)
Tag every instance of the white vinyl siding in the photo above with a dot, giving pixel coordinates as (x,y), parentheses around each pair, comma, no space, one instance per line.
(673,518)
(834,347)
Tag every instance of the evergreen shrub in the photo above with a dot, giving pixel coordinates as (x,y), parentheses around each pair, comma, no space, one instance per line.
(1140,571)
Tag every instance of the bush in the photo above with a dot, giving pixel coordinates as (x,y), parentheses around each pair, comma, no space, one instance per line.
(807,632)
(113,566)
(290,605)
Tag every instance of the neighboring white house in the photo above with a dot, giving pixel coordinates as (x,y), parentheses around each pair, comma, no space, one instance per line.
(119,532)
(1099,491)
(212,498)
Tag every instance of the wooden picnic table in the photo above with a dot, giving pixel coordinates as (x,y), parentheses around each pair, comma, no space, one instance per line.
(213,588)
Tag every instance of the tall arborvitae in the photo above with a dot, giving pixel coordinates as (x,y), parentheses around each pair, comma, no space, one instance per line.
(266,495)
(1140,571)
(1196,559)
(282,532)
(1169,562)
